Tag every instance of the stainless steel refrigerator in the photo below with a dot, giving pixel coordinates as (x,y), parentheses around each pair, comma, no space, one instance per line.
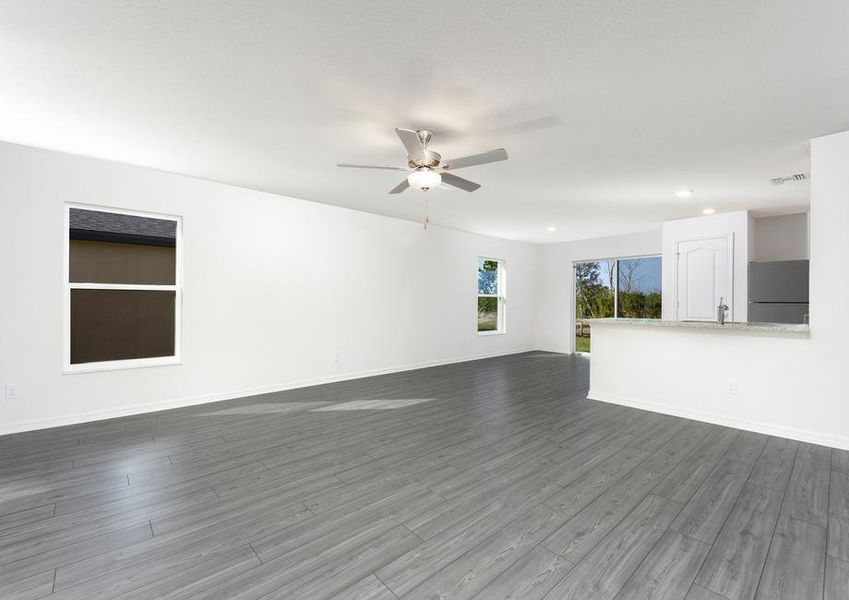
(778,291)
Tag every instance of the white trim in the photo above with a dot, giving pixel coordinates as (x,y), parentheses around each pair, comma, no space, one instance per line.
(124,211)
(122,365)
(85,417)
(177,288)
(556,350)
(757,426)
(122,286)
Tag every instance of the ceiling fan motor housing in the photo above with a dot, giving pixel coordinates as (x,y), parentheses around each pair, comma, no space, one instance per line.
(424,136)
(429,159)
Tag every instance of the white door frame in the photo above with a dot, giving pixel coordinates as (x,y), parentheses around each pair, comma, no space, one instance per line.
(729,286)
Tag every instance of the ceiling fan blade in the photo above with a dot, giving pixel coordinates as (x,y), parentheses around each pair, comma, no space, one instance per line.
(411,142)
(371,167)
(459,182)
(400,187)
(477,159)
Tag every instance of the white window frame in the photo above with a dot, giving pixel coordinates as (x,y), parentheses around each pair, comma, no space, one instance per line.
(501,295)
(177,288)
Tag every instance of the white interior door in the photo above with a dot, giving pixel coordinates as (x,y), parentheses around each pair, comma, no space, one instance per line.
(703,276)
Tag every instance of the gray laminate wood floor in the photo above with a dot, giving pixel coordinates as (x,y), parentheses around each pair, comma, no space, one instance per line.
(488,479)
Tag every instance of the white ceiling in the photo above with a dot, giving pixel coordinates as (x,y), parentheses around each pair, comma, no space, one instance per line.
(631,100)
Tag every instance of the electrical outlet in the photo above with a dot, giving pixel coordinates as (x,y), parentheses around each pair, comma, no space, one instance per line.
(335,357)
(732,387)
(11,391)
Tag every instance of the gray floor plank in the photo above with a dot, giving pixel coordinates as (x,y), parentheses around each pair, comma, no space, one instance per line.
(836,579)
(705,513)
(667,573)
(471,572)
(700,593)
(747,447)
(26,517)
(839,497)
(527,490)
(123,570)
(795,566)
(606,569)
(807,494)
(369,588)
(686,479)
(583,531)
(28,588)
(580,492)
(840,460)
(531,578)
(775,465)
(734,564)
(200,581)
(838,537)
(334,577)
(58,556)
(412,568)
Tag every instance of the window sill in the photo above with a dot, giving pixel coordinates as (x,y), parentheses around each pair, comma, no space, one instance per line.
(121,365)
(488,333)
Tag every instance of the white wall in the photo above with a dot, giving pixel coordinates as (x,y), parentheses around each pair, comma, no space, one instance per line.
(781,238)
(273,287)
(786,386)
(555,329)
(741,225)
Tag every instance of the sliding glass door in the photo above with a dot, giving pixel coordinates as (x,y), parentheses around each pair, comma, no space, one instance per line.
(615,288)
(595,297)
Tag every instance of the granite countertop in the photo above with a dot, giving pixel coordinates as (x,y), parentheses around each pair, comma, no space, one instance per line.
(779,328)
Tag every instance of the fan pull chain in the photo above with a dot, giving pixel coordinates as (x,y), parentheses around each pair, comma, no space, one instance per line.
(427,208)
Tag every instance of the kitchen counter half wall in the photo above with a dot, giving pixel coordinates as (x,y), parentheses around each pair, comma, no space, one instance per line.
(760,380)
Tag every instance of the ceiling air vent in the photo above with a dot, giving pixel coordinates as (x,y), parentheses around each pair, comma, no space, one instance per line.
(783,180)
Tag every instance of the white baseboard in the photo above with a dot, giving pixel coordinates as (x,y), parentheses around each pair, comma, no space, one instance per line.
(800,435)
(86,417)
(556,349)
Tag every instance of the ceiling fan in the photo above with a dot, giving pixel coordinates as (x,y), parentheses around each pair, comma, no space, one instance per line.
(426,167)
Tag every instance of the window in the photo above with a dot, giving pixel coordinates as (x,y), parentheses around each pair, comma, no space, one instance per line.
(122,289)
(638,288)
(491,296)
(616,288)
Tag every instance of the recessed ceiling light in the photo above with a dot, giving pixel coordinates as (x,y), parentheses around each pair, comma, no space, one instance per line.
(708,211)
(683,193)
(551,228)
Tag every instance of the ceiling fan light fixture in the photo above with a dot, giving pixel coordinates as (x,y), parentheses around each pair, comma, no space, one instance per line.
(424,179)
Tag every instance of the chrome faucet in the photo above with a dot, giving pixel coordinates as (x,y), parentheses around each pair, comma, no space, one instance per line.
(720,311)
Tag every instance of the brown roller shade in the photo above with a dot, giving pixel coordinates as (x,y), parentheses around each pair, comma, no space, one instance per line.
(109,262)
(121,324)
